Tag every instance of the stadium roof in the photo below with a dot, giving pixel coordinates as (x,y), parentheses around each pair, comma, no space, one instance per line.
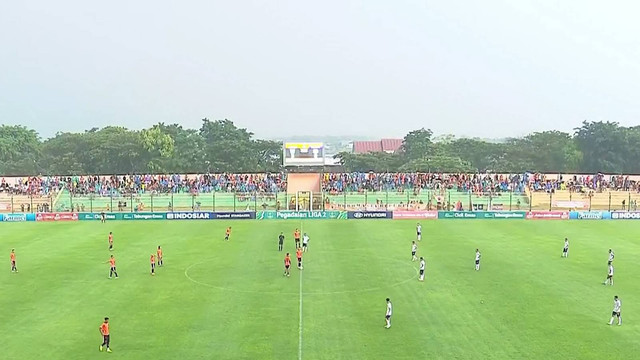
(384,145)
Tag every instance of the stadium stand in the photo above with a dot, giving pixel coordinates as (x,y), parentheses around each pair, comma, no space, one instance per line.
(528,191)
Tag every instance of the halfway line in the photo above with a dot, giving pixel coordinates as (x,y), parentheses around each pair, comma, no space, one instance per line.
(300,315)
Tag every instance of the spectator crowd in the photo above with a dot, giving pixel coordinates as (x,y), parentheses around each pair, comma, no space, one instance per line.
(333,183)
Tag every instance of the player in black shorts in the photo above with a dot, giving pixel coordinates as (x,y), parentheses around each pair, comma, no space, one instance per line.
(280,241)
(296,238)
(103,217)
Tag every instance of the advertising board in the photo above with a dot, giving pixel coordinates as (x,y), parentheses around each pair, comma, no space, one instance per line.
(481,215)
(96,216)
(548,215)
(201,215)
(300,215)
(625,215)
(57,216)
(144,216)
(589,215)
(18,217)
(415,215)
(361,215)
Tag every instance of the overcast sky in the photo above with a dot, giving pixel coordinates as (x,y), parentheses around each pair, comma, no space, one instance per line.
(337,67)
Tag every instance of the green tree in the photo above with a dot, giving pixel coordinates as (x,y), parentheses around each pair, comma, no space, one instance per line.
(603,146)
(189,153)
(378,162)
(19,150)
(417,144)
(227,146)
(159,147)
(66,154)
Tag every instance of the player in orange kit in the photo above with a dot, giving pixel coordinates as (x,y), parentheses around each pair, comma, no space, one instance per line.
(296,238)
(104,330)
(299,256)
(110,241)
(227,233)
(153,264)
(287,264)
(12,256)
(159,256)
(112,263)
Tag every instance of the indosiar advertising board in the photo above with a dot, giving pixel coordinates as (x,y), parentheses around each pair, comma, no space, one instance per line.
(242,215)
(625,215)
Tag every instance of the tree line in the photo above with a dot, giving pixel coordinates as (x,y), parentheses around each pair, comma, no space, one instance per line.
(593,147)
(220,146)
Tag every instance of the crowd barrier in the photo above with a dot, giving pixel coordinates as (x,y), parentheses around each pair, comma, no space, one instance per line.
(342,215)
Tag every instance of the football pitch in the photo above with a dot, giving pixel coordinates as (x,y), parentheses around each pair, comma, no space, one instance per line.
(229,300)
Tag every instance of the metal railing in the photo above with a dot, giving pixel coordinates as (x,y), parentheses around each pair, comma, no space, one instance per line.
(383,200)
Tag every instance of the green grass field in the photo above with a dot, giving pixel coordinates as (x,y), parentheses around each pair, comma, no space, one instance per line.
(229,300)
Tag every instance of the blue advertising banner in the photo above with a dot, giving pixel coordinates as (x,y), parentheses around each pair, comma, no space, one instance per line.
(241,215)
(190,216)
(1,217)
(625,215)
(199,215)
(19,217)
(370,215)
(589,215)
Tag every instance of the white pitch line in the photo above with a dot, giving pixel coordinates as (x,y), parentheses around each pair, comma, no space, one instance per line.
(300,315)
(300,324)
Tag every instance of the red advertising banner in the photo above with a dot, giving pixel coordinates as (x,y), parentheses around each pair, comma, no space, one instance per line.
(415,215)
(548,215)
(57,217)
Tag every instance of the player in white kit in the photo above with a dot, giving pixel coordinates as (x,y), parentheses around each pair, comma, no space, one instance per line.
(478,256)
(388,314)
(305,242)
(611,256)
(423,264)
(616,311)
(609,275)
(414,250)
(419,231)
(565,250)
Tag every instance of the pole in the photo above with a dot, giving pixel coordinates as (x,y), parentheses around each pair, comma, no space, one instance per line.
(386,200)
(345,200)
(510,200)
